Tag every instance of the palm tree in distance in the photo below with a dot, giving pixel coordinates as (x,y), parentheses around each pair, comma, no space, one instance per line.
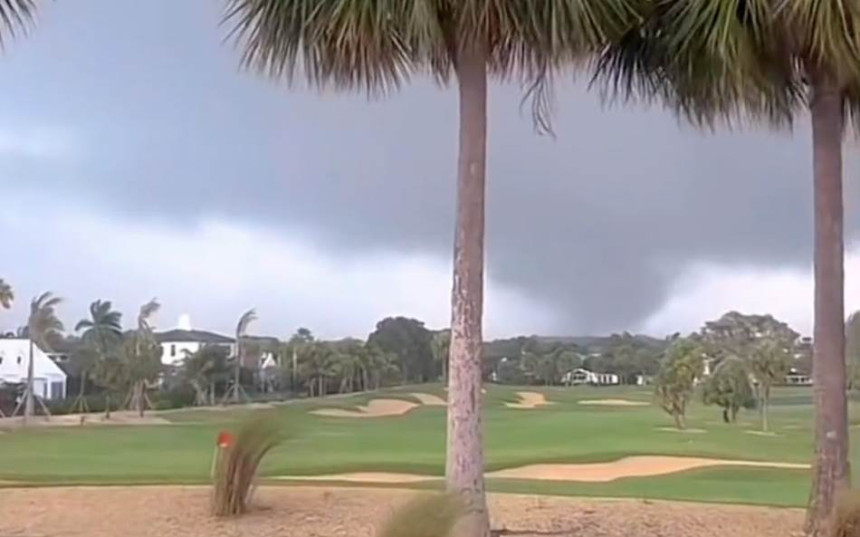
(7,296)
(375,47)
(245,320)
(144,351)
(769,61)
(101,332)
(42,325)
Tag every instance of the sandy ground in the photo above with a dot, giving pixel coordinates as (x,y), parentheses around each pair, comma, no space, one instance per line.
(122,417)
(429,399)
(332,512)
(529,400)
(602,472)
(612,402)
(376,408)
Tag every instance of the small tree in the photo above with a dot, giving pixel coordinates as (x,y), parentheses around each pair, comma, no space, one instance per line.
(729,387)
(111,374)
(441,345)
(680,368)
(769,362)
(204,370)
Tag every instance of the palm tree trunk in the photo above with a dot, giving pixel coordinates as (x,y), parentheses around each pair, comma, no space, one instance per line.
(765,404)
(831,474)
(238,369)
(107,406)
(28,401)
(464,469)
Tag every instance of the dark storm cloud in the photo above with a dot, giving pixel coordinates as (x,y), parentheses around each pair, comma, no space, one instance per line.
(597,222)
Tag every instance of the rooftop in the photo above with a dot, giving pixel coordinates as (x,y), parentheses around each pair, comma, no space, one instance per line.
(192,336)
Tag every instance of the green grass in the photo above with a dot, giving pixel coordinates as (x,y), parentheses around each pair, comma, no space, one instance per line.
(564,432)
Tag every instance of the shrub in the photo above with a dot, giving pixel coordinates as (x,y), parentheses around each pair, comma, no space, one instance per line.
(426,516)
(848,515)
(238,464)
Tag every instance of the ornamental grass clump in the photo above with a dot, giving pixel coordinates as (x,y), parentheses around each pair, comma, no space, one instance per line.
(238,459)
(433,515)
(848,515)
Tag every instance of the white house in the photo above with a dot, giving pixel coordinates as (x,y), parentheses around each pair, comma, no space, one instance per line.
(176,344)
(49,381)
(183,340)
(584,376)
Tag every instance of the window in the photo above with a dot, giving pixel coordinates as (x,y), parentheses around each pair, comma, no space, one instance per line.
(172,350)
(57,390)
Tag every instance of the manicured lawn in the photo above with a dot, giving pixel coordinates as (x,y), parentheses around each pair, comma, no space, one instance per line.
(563,432)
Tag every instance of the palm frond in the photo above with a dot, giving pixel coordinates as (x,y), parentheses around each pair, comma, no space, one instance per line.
(147,311)
(43,322)
(710,61)
(246,319)
(7,296)
(345,44)
(15,16)
(827,34)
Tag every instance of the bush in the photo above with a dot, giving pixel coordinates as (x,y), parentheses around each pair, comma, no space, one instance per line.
(848,515)
(426,516)
(177,397)
(238,464)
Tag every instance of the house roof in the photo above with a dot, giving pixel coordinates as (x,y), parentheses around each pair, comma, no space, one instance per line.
(192,336)
(14,356)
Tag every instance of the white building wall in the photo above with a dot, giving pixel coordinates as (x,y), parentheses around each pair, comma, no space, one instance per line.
(173,352)
(49,381)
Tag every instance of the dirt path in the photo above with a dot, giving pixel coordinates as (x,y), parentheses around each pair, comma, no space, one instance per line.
(331,512)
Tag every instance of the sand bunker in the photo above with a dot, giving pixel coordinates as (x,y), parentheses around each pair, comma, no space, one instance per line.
(601,472)
(376,408)
(529,400)
(366,477)
(428,399)
(613,402)
(682,431)
(628,467)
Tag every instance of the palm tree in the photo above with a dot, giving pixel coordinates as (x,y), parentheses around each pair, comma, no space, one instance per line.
(241,330)
(144,357)
(7,296)
(101,332)
(42,325)
(375,46)
(770,60)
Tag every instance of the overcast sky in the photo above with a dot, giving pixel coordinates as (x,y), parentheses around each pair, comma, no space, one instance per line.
(137,161)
